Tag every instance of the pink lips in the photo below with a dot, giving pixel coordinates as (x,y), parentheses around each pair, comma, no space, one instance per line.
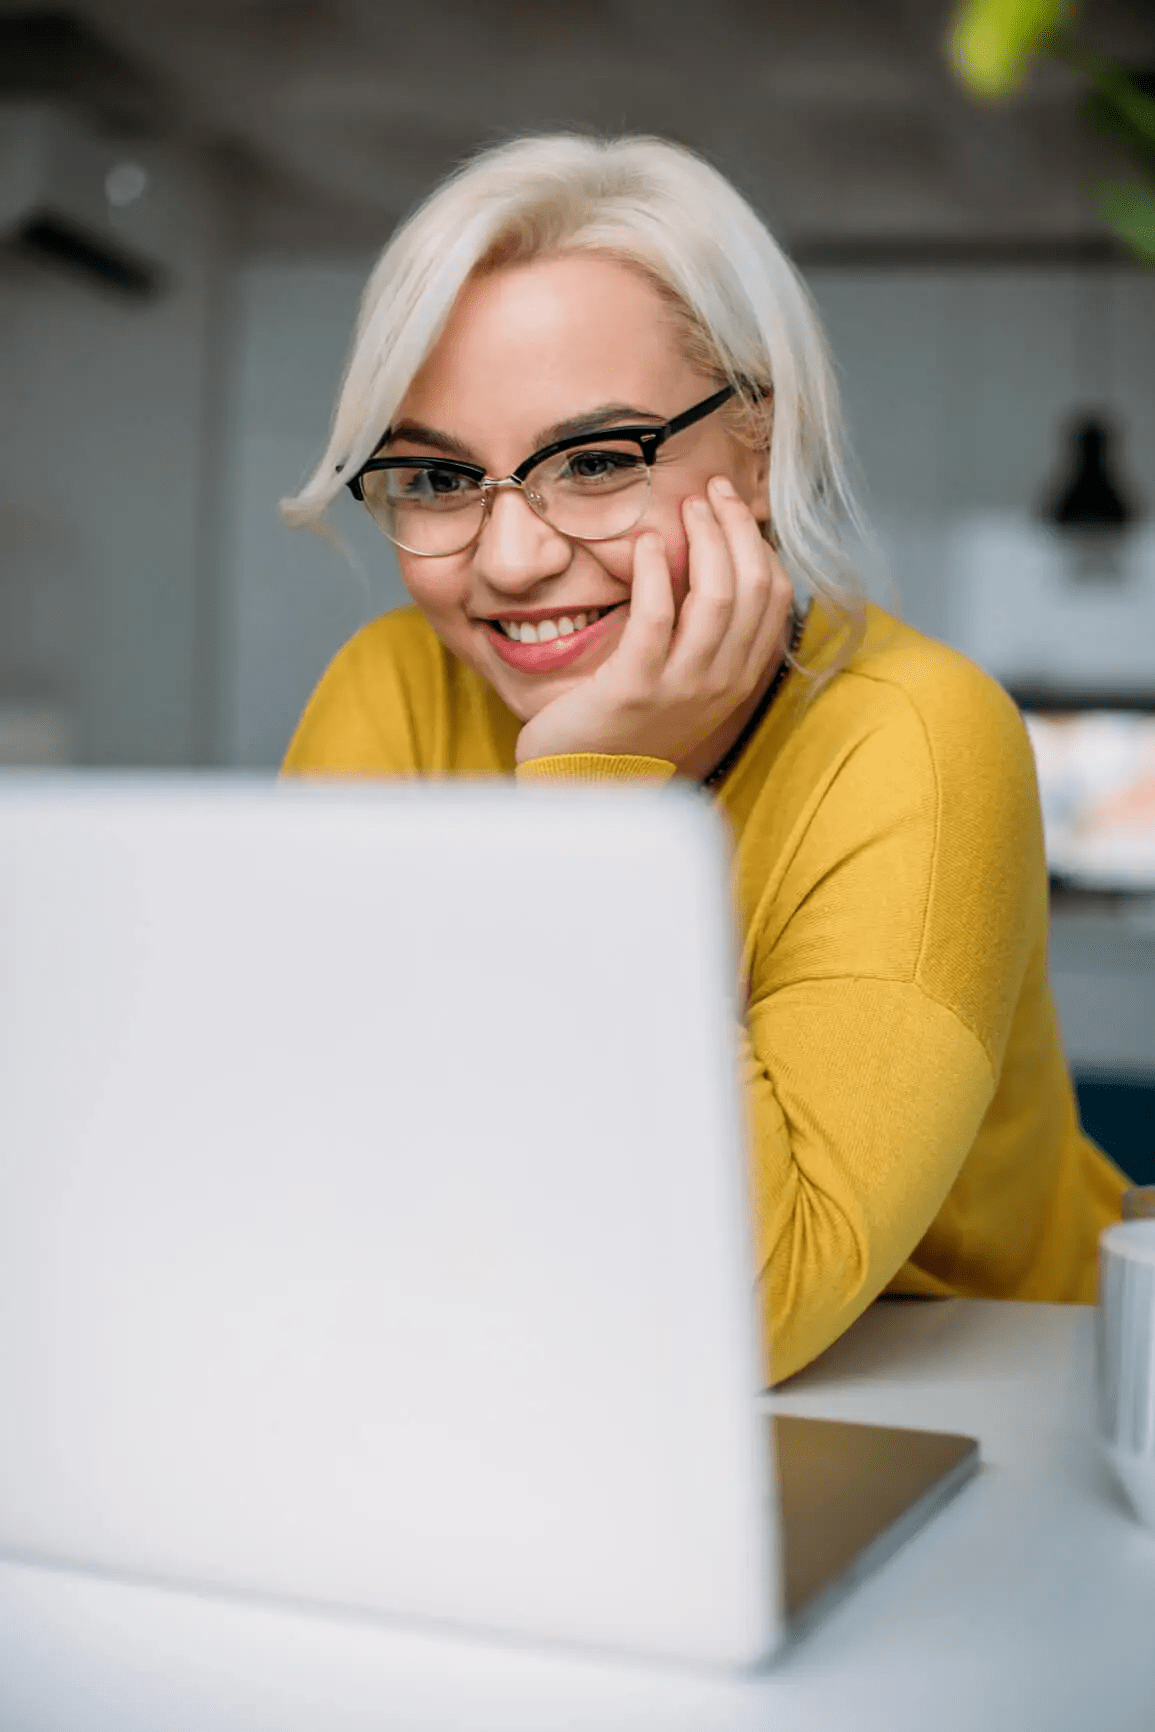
(542,658)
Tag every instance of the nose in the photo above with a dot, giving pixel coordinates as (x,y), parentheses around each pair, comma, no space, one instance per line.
(517,549)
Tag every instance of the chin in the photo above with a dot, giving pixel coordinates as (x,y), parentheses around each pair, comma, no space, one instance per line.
(525,701)
(527,692)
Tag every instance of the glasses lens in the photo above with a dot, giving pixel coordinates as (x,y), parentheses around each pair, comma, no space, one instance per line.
(593,492)
(425,508)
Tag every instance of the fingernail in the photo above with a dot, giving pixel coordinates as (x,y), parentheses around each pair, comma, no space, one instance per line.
(726,488)
(698,506)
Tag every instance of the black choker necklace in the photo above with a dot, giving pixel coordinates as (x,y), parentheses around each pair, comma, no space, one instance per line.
(726,763)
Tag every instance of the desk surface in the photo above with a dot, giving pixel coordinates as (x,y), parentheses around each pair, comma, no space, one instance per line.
(1029,1602)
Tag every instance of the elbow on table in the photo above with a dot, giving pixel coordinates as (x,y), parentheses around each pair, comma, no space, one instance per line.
(820,1275)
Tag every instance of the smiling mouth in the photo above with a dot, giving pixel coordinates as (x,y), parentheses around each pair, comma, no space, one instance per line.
(553,626)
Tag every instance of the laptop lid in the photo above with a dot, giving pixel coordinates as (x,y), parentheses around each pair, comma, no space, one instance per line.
(373,1209)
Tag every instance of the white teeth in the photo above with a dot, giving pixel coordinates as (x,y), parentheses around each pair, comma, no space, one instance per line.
(522,631)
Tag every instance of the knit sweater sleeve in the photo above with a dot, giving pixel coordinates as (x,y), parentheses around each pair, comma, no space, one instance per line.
(865,1098)
(581,767)
(877,1015)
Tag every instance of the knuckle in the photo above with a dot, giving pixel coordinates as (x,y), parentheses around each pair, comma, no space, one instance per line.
(655,626)
(651,613)
(781,584)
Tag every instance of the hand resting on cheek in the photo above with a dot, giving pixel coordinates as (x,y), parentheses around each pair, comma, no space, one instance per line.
(674,677)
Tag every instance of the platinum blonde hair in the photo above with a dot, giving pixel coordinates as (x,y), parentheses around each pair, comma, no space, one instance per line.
(743,311)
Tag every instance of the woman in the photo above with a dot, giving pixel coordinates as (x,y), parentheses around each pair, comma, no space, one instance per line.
(590,403)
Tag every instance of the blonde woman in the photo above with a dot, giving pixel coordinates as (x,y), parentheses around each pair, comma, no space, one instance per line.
(590,404)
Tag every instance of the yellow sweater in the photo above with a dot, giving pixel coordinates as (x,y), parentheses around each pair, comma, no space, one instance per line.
(915,1128)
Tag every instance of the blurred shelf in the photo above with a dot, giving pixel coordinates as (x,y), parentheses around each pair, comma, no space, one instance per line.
(1106,912)
(1102,971)
(1062,699)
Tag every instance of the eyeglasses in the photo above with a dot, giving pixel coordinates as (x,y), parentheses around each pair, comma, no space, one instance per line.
(590,487)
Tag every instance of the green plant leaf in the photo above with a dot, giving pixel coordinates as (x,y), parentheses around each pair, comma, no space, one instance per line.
(992,40)
(1105,115)
(1130,210)
(1135,106)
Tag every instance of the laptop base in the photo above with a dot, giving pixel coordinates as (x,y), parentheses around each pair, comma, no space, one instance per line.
(849,1496)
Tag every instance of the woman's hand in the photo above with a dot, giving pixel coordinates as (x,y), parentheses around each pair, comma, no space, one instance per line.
(670,684)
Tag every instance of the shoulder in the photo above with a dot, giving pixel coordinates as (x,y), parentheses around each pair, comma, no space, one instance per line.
(942,717)
(375,701)
(400,645)
(906,670)
(395,702)
(939,737)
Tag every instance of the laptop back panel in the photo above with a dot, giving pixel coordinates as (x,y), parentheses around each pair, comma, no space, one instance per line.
(373,1213)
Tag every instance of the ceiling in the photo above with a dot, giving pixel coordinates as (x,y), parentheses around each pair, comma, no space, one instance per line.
(324,120)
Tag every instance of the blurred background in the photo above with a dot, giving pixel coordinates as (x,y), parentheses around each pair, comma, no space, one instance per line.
(192,192)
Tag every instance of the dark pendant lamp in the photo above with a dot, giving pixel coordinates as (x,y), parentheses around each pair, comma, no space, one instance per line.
(1089,506)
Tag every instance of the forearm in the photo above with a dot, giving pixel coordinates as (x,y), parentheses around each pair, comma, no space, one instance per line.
(864,1100)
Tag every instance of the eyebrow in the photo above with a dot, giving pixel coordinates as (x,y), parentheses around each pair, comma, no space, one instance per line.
(592,421)
(416,434)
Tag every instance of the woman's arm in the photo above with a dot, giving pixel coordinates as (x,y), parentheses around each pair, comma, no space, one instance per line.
(865,1098)
(885,964)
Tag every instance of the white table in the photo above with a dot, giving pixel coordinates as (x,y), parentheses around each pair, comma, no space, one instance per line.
(1029,1603)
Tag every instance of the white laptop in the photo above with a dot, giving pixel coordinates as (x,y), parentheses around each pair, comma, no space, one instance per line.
(374,1218)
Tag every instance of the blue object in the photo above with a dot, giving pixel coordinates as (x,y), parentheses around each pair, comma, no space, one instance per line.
(1118,1112)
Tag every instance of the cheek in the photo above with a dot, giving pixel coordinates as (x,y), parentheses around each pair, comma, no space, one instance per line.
(437,586)
(617,557)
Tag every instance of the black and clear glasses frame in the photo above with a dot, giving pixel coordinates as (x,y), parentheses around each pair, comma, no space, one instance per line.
(648,438)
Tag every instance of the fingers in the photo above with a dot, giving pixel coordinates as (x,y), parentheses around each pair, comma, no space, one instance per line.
(764,627)
(731,624)
(762,589)
(760,594)
(708,609)
(645,641)
(761,613)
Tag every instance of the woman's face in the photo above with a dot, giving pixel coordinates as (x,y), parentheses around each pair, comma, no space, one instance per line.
(526,348)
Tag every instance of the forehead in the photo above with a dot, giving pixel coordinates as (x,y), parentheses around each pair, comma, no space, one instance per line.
(530,345)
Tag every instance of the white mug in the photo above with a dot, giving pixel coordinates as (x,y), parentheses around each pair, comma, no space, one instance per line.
(1125,1342)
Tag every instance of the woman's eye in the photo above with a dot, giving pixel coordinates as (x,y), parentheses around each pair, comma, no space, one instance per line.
(431,484)
(446,481)
(594,466)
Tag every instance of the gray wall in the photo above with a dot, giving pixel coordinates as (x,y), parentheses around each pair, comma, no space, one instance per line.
(107,562)
(292,598)
(957,386)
